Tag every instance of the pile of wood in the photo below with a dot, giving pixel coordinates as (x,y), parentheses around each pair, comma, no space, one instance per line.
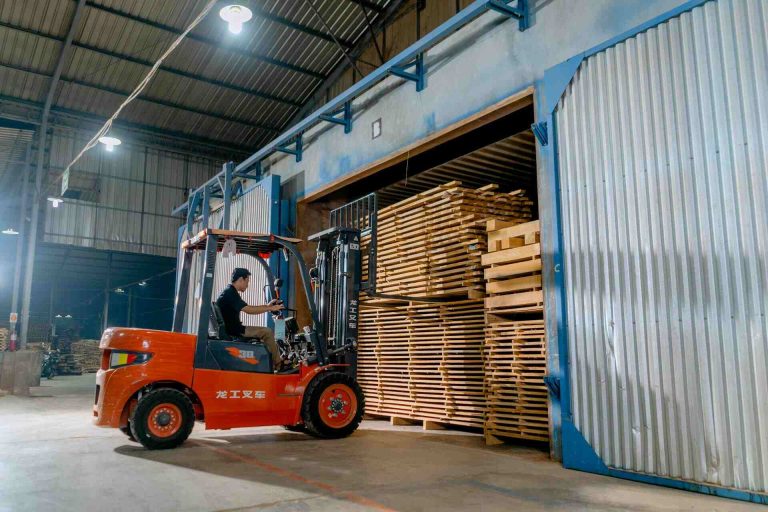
(430,245)
(68,365)
(87,355)
(513,268)
(423,361)
(515,366)
(5,339)
(515,346)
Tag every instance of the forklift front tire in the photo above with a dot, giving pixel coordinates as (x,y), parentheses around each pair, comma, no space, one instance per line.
(163,419)
(333,406)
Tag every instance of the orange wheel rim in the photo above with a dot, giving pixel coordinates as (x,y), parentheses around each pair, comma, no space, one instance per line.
(338,405)
(164,420)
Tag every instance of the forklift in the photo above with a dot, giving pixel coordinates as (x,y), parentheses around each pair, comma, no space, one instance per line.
(153,385)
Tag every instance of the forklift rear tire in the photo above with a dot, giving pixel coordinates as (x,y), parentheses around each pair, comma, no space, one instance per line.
(333,406)
(163,419)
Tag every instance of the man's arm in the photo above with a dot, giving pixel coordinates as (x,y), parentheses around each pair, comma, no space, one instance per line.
(257,310)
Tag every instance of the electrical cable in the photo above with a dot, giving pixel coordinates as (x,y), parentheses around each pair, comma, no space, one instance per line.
(139,88)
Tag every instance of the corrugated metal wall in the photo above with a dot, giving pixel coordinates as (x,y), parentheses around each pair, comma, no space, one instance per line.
(126,196)
(251,213)
(664,174)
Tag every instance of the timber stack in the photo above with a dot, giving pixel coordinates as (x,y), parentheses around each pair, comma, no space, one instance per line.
(423,361)
(515,346)
(419,359)
(430,245)
(4,339)
(87,355)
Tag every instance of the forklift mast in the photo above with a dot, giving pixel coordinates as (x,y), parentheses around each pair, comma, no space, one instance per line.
(336,279)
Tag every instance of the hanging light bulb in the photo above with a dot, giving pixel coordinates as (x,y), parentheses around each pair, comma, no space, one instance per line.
(10,231)
(56,201)
(110,142)
(235,16)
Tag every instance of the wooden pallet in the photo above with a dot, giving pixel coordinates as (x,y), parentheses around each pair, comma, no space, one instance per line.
(87,355)
(513,268)
(515,366)
(423,361)
(431,244)
(5,339)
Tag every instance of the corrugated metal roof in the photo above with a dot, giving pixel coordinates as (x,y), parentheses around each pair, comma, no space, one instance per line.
(241,89)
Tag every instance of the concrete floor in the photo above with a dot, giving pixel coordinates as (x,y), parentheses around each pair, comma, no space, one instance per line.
(52,458)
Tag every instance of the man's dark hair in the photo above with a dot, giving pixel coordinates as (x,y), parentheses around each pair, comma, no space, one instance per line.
(240,272)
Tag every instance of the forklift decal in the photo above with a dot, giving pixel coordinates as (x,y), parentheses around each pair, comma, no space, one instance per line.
(245,393)
(249,356)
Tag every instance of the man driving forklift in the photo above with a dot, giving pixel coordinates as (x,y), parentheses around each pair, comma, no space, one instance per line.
(231,305)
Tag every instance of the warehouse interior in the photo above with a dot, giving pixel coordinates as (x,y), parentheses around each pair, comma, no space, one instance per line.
(383,255)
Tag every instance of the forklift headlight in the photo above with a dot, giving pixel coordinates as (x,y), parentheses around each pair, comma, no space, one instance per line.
(118,359)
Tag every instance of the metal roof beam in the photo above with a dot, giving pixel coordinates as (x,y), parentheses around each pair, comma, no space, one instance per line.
(218,147)
(381,21)
(174,71)
(147,99)
(368,4)
(207,40)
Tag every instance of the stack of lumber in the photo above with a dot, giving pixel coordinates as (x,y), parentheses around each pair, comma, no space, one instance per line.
(513,268)
(515,366)
(68,365)
(5,339)
(423,361)
(430,245)
(515,345)
(87,355)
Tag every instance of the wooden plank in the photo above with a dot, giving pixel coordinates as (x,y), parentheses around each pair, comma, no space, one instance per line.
(514,285)
(512,255)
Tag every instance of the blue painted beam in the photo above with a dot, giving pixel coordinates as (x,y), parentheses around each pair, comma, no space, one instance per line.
(402,59)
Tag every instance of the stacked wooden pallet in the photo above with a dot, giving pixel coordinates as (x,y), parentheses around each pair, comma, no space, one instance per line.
(423,361)
(515,366)
(87,355)
(430,245)
(515,346)
(513,268)
(5,339)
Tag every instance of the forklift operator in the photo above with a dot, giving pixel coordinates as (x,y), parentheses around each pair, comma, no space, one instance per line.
(231,304)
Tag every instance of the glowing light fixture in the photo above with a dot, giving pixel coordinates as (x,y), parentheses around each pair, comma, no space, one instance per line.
(143,283)
(56,201)
(58,316)
(10,231)
(235,16)
(110,142)
(68,316)
(119,290)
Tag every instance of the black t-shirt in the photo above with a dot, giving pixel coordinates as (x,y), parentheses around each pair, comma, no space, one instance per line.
(230,303)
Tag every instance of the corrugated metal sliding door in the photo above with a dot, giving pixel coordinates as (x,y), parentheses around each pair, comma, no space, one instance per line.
(663,161)
(257,211)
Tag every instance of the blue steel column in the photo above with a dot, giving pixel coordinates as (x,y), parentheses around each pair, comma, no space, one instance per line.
(229,169)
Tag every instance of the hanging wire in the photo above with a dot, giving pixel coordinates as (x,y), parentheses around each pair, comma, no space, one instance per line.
(140,88)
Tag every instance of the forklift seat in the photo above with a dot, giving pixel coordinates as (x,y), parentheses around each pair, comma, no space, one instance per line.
(217,322)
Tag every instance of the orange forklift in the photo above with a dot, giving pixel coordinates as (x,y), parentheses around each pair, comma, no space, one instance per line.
(154,385)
